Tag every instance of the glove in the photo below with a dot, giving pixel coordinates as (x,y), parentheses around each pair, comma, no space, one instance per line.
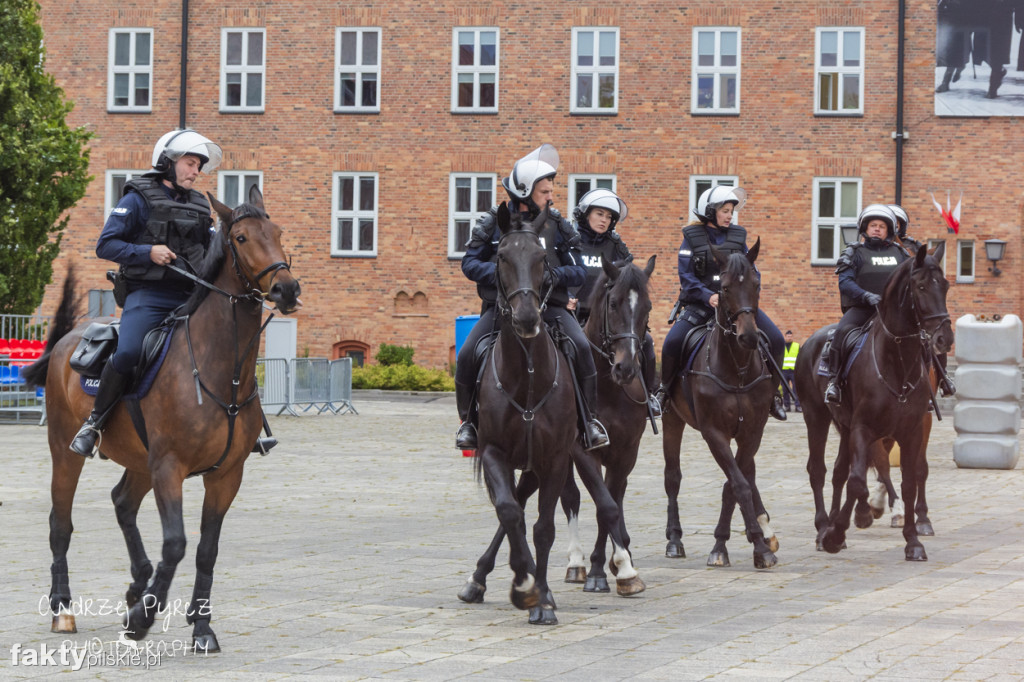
(872,299)
(552,278)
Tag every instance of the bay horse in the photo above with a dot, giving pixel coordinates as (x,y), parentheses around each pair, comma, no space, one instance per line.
(726,395)
(887,395)
(527,414)
(213,348)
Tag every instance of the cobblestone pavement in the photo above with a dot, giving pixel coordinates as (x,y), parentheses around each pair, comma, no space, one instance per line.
(345,549)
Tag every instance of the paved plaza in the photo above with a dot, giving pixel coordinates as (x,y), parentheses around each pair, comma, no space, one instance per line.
(344,551)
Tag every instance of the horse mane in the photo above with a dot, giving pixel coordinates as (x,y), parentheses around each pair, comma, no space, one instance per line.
(207,270)
(898,277)
(632,275)
(737,265)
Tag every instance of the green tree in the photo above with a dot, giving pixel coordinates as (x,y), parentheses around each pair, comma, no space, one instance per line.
(44,164)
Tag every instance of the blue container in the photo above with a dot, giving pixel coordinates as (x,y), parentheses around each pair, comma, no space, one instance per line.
(463,326)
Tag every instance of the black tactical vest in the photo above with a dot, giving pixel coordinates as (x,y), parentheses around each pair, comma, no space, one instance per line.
(593,256)
(549,238)
(184,228)
(874,267)
(704,265)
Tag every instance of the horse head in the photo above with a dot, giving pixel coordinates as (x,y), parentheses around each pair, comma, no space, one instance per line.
(621,306)
(520,270)
(929,300)
(254,242)
(739,294)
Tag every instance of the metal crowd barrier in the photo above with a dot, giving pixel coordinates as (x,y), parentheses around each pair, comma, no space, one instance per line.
(341,387)
(15,397)
(305,384)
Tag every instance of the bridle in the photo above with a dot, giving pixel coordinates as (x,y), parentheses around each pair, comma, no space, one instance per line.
(504,301)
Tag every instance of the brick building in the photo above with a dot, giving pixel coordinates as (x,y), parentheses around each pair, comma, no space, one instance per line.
(379,130)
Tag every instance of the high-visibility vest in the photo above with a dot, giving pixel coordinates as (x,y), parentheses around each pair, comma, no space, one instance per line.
(789,359)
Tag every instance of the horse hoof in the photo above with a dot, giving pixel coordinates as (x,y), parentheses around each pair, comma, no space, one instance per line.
(674,550)
(130,598)
(543,615)
(833,544)
(925,528)
(205,644)
(765,560)
(630,587)
(773,543)
(863,519)
(596,584)
(876,512)
(576,574)
(719,559)
(916,554)
(897,521)
(524,600)
(135,623)
(472,592)
(64,623)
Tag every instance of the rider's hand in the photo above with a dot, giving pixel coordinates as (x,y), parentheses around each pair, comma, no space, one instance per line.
(872,299)
(713,301)
(161,255)
(571,305)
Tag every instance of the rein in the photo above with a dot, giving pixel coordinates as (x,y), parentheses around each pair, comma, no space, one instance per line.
(608,339)
(726,331)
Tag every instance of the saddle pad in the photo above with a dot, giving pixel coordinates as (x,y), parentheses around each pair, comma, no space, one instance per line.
(142,386)
(693,342)
(852,347)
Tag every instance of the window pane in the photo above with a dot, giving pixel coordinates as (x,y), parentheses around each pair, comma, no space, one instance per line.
(829,48)
(606,83)
(348,89)
(463,190)
(705,48)
(827,94)
(727,91)
(141,89)
(702,186)
(826,242)
(117,183)
(607,47)
(366,194)
(465,48)
(848,200)
(487,89)
(121,89)
(851,48)
(253,89)
(827,200)
(122,49)
(966,259)
(851,91)
(465,90)
(346,186)
(365,235)
(234,55)
(461,234)
(488,48)
(584,85)
(582,187)
(348,48)
(603,183)
(345,235)
(729,48)
(584,48)
(705,91)
(142,49)
(255,57)
(484,194)
(369,90)
(231,190)
(369,48)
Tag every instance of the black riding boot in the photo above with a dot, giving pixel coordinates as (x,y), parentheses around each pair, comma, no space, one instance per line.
(595,436)
(832,394)
(946,385)
(112,386)
(776,409)
(465,437)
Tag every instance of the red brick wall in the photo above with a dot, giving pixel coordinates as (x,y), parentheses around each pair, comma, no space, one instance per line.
(776,146)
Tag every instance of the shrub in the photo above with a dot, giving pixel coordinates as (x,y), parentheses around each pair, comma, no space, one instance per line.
(390,355)
(400,377)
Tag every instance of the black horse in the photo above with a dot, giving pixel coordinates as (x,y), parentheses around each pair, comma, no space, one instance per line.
(887,395)
(725,395)
(528,415)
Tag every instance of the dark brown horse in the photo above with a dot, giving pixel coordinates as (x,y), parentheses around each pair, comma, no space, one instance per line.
(887,395)
(725,395)
(213,349)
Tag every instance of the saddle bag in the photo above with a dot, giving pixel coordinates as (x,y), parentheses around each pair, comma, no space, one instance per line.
(696,315)
(98,343)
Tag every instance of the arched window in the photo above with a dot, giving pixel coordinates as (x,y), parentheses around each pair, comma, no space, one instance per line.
(357,350)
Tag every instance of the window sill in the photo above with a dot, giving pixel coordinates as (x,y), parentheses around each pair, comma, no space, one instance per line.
(595,112)
(353,255)
(124,110)
(477,112)
(714,112)
(235,110)
(355,110)
(839,114)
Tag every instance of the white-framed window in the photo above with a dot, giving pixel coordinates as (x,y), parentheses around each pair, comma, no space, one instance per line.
(836,203)
(839,70)
(595,70)
(115,182)
(702,183)
(470,195)
(475,61)
(233,186)
(101,303)
(357,70)
(715,77)
(964,260)
(243,69)
(581,184)
(354,217)
(130,70)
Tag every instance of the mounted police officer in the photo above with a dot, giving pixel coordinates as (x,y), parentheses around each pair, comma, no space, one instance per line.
(699,280)
(863,270)
(159,220)
(530,189)
(595,218)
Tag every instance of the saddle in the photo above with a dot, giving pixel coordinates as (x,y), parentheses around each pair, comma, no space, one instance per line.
(848,353)
(99,342)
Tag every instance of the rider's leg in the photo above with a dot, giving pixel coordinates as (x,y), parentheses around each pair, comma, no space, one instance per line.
(776,346)
(946,384)
(650,370)
(466,371)
(853,317)
(586,374)
(111,388)
(671,350)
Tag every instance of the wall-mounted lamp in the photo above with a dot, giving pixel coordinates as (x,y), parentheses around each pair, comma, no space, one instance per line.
(850,233)
(994,250)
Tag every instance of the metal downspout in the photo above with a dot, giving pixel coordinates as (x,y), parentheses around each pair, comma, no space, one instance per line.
(899,136)
(182,96)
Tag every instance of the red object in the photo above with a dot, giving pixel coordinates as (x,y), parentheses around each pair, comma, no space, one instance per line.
(469,453)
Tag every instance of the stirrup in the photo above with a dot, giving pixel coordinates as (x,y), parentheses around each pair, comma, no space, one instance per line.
(655,404)
(597,439)
(832,394)
(947,387)
(465,437)
(776,410)
(264,445)
(85,433)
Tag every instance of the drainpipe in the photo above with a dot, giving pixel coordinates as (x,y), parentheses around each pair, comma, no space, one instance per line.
(182,97)
(899,135)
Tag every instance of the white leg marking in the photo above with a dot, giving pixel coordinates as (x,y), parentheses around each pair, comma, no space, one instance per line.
(878,496)
(762,521)
(898,511)
(622,561)
(575,546)
(527,584)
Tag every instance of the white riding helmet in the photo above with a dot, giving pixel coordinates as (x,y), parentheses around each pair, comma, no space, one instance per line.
(713,199)
(902,220)
(881,212)
(601,198)
(541,163)
(177,143)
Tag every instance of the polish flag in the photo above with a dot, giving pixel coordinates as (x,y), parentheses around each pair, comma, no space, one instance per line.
(952,217)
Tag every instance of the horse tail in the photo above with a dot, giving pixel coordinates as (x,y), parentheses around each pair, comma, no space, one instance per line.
(63,322)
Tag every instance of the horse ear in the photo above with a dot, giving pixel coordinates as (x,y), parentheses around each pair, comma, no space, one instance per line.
(256,198)
(649,268)
(223,211)
(504,218)
(939,251)
(610,269)
(920,256)
(752,253)
(538,223)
